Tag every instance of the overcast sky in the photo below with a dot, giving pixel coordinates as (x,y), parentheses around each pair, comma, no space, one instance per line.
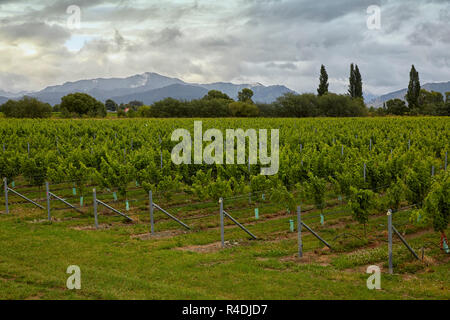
(267,41)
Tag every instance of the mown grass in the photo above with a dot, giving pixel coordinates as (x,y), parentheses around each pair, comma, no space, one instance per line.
(115,264)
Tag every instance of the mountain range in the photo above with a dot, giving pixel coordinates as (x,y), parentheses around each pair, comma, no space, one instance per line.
(148,88)
(151,87)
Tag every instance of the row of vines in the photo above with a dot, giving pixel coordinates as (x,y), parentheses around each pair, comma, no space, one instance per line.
(401,158)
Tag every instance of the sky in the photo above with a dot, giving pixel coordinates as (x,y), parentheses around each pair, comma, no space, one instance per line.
(242,41)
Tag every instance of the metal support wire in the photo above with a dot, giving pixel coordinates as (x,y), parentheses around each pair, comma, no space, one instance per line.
(316,235)
(171,216)
(405,243)
(25,198)
(114,210)
(239,225)
(65,202)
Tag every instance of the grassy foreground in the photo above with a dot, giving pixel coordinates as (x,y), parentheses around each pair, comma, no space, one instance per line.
(122,261)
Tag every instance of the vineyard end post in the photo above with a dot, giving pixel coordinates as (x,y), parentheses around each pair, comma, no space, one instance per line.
(5,181)
(95,208)
(47,193)
(391,270)
(299,230)
(152,223)
(222,236)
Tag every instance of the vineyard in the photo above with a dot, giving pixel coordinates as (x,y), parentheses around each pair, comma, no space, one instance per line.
(345,174)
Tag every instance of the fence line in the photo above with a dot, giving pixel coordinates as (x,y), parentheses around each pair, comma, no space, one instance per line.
(223,213)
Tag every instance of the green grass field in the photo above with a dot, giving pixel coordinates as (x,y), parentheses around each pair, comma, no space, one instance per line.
(122,261)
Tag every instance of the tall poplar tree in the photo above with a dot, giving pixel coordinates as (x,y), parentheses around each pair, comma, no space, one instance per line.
(358,83)
(352,87)
(355,88)
(412,96)
(323,85)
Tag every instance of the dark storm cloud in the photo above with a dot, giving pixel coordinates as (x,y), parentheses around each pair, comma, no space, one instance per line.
(268,41)
(317,11)
(39,32)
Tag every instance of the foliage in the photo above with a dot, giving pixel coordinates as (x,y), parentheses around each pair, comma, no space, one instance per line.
(315,190)
(355,87)
(361,202)
(323,82)
(245,96)
(145,112)
(396,107)
(334,105)
(243,109)
(280,194)
(111,105)
(395,194)
(413,93)
(418,182)
(81,104)
(215,94)
(437,204)
(295,105)
(27,107)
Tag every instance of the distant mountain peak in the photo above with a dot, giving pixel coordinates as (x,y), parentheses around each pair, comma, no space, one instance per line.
(150,87)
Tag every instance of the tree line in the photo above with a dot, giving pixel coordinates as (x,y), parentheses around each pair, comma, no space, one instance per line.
(418,101)
(218,104)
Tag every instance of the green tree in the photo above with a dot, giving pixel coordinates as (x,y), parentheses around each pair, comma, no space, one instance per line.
(412,96)
(169,107)
(27,107)
(335,105)
(396,107)
(245,95)
(215,94)
(145,112)
(135,105)
(358,83)
(352,82)
(430,103)
(111,105)
(355,88)
(298,105)
(82,104)
(243,109)
(323,82)
(445,109)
